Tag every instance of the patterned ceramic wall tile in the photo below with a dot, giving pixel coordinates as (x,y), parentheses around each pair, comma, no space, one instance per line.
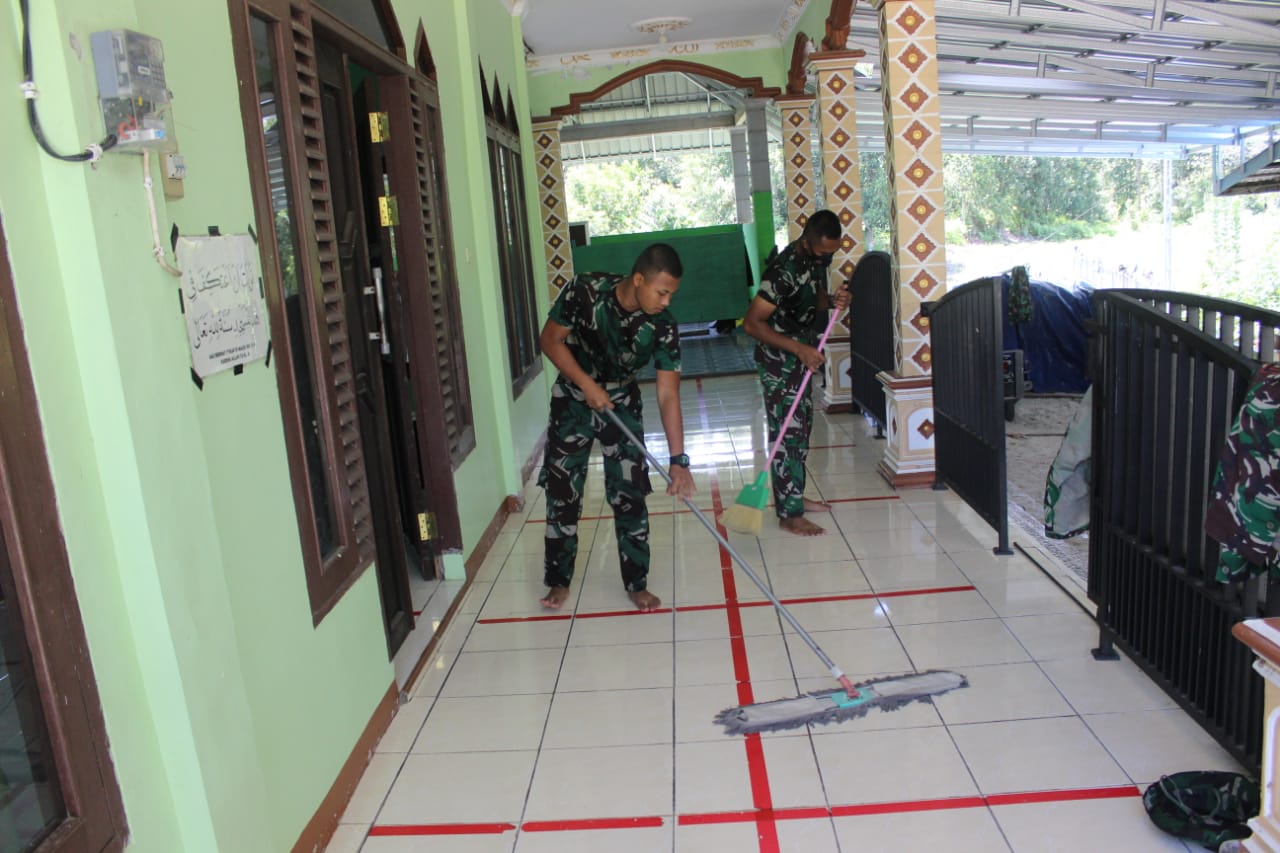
(551,205)
(797,155)
(913,161)
(841,168)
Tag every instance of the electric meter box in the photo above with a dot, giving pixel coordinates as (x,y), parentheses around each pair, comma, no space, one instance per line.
(131,87)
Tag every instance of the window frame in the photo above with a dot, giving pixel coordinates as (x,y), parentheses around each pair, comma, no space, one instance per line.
(46,606)
(515,260)
(328,577)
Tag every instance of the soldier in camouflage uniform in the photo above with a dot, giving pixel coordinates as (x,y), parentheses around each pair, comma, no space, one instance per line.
(600,331)
(784,319)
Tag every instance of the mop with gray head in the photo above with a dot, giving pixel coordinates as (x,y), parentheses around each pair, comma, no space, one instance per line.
(826,706)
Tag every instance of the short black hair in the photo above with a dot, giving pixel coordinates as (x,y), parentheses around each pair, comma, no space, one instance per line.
(823,225)
(658,258)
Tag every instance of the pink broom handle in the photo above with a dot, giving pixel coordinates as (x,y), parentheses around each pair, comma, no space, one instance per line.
(804,383)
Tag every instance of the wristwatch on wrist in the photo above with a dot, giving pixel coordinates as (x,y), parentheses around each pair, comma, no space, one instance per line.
(681,459)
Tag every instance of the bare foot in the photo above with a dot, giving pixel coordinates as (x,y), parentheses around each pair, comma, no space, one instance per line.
(800,526)
(645,600)
(555,597)
(816,506)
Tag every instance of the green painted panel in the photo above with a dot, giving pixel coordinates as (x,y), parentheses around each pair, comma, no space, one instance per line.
(717,280)
(762,204)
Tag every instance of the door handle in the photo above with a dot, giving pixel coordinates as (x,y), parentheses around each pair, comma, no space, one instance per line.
(376,292)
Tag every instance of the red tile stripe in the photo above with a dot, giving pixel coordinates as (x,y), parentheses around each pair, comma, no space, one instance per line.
(771,815)
(757,772)
(441,829)
(596,823)
(691,608)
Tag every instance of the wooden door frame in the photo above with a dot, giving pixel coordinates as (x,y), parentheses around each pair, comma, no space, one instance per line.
(394,79)
(46,601)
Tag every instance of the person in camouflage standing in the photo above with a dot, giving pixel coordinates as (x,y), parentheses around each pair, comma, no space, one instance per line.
(783,318)
(601,330)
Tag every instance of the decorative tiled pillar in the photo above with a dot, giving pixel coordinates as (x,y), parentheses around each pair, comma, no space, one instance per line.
(913,162)
(842,175)
(551,204)
(797,156)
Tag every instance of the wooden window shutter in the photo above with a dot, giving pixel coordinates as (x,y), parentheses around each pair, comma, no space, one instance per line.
(450,350)
(316,206)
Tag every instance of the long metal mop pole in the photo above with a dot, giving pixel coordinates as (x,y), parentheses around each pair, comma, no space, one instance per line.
(742,563)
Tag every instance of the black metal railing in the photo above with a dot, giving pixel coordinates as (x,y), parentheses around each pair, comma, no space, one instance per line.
(968,399)
(871,334)
(1170,372)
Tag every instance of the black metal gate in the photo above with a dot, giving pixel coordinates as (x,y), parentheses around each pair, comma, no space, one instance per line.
(968,399)
(1170,372)
(871,333)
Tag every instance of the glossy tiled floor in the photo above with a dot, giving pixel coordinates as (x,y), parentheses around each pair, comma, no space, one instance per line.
(592,730)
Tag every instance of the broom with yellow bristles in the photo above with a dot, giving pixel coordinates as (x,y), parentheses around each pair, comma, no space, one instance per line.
(747,513)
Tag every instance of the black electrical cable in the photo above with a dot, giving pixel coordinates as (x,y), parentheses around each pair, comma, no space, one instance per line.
(29,92)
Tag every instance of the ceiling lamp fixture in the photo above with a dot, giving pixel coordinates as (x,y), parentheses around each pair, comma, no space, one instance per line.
(661,26)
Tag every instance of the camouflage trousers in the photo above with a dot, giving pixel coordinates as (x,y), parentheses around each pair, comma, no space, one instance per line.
(780,376)
(572,430)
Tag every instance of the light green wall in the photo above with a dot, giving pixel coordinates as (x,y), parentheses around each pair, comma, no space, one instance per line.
(229,714)
(463,35)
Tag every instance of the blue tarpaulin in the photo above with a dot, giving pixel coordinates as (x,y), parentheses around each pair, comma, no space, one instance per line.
(1055,342)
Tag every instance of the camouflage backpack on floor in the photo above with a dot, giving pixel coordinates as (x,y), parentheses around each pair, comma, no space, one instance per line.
(1208,807)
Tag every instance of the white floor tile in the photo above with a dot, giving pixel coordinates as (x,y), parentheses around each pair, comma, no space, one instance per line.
(1036,755)
(511,636)
(866,650)
(610,718)
(927,571)
(713,776)
(503,673)
(621,781)
(1025,597)
(1097,687)
(950,645)
(1151,744)
(828,548)
(1013,691)
(967,830)
(347,838)
(457,787)
(890,766)
(897,542)
(623,630)
(1119,824)
(839,615)
(935,607)
(404,728)
(706,838)
(479,724)
(374,785)
(1050,636)
(495,843)
(631,840)
(617,667)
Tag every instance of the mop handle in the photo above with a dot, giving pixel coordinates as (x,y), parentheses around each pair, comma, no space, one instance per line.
(804,383)
(742,564)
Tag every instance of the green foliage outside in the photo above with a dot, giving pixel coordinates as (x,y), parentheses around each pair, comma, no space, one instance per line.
(664,193)
(1228,247)
(652,194)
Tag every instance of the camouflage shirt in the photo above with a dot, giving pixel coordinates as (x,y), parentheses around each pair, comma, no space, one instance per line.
(791,283)
(609,342)
(1244,505)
